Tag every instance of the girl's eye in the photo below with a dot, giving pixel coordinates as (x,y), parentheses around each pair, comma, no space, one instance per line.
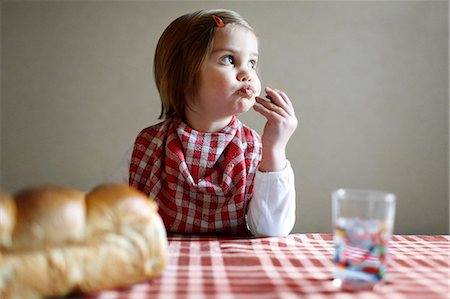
(228,60)
(252,63)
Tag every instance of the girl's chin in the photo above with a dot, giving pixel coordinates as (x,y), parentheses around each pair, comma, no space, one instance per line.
(247,103)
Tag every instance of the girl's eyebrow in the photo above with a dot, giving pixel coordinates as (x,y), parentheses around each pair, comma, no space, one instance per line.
(232,51)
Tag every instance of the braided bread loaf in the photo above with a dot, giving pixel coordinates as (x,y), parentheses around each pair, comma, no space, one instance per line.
(55,240)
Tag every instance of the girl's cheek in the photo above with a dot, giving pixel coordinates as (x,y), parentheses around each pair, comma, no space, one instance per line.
(258,86)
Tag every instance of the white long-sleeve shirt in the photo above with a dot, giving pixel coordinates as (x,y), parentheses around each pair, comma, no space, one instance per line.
(271,211)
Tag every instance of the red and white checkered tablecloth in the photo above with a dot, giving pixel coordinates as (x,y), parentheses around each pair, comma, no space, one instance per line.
(297,266)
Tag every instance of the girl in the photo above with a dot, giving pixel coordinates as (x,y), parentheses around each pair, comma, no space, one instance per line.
(208,172)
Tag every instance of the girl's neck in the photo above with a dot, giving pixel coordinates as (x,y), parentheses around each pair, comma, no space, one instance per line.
(202,123)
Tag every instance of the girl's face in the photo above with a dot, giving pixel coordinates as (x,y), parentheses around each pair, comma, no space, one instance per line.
(228,83)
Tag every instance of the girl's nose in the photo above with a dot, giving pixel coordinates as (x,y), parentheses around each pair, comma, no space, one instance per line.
(244,75)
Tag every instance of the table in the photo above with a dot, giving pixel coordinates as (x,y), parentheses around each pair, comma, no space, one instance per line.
(296,266)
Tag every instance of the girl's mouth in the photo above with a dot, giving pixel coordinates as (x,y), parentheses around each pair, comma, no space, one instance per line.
(247,90)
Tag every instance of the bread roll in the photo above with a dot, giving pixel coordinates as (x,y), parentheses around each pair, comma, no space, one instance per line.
(56,240)
(48,216)
(7,219)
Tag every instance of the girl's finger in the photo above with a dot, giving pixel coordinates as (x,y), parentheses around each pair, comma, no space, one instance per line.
(267,113)
(280,99)
(270,105)
(289,106)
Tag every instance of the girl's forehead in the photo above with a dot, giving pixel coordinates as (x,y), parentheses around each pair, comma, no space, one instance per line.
(235,35)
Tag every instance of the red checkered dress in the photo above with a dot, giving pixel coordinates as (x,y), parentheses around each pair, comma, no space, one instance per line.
(202,182)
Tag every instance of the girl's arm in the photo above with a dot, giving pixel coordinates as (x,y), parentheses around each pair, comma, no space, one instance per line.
(271,211)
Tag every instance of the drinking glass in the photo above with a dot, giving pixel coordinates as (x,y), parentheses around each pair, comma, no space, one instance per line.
(363,222)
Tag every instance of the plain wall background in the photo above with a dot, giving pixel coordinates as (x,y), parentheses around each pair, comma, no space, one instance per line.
(369,81)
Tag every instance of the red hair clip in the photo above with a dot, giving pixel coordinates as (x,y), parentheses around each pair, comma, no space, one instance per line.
(218,21)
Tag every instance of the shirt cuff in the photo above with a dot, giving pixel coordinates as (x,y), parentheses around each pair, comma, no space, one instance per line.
(271,175)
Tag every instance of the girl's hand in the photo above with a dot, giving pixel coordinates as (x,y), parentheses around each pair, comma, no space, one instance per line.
(281,124)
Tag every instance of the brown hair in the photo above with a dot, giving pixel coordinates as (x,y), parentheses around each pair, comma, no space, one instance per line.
(180,53)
